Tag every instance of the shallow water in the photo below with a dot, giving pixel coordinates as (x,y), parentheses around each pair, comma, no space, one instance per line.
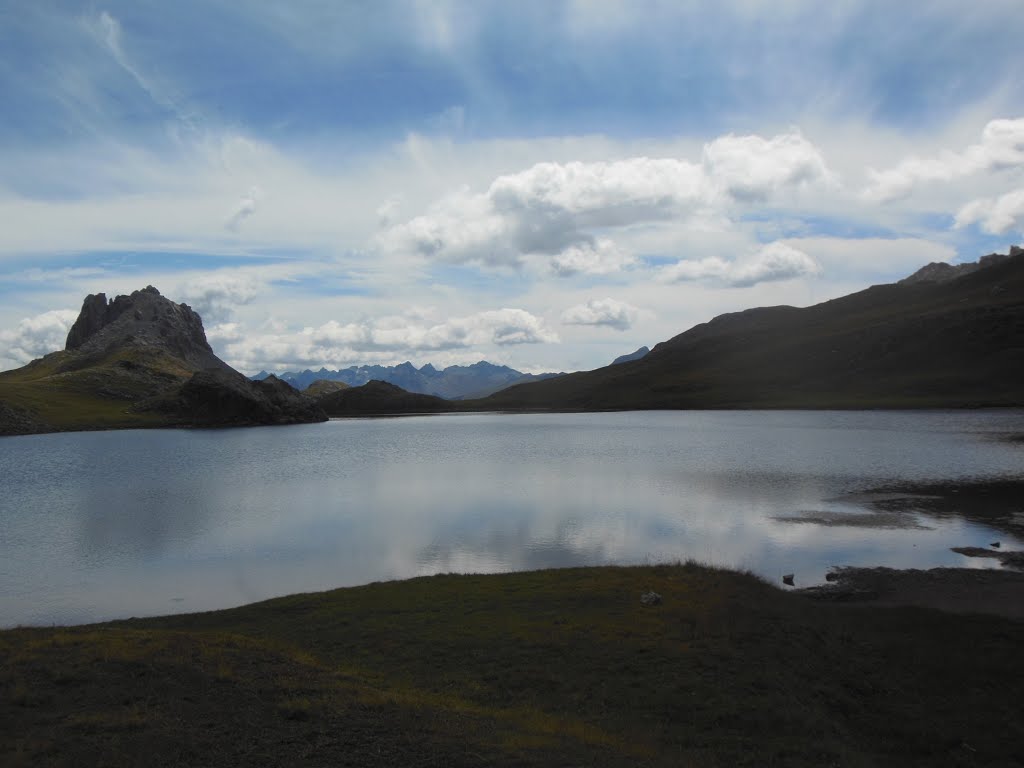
(113,524)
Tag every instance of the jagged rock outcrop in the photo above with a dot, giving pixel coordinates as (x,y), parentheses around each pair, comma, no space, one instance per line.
(143,319)
(940,272)
(92,318)
(141,361)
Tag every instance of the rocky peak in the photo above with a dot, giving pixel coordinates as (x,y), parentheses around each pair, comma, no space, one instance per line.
(146,319)
(940,272)
(642,352)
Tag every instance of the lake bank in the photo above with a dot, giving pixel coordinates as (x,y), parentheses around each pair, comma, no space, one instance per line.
(557,667)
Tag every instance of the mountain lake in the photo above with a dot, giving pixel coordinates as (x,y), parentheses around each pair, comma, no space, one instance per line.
(103,525)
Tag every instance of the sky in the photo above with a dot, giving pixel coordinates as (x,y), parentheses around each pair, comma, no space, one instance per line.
(546,184)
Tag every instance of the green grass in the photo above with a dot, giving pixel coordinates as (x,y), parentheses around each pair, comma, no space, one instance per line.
(62,392)
(562,667)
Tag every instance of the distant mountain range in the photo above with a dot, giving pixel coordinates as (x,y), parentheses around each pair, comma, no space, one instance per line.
(456,382)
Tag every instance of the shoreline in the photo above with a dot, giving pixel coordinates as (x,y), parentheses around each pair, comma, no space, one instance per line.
(575,666)
(951,590)
(956,590)
(18,427)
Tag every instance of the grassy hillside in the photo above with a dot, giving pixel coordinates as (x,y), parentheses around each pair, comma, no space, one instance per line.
(379,398)
(955,344)
(70,391)
(563,667)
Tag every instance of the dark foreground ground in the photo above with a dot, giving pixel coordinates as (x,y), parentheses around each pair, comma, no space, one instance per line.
(561,668)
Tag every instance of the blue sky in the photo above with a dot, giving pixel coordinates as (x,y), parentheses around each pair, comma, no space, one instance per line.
(543,184)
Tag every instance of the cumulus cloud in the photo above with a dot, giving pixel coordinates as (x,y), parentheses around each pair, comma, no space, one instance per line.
(386,338)
(216,296)
(600,257)
(997,216)
(610,312)
(754,169)
(461,227)
(501,326)
(34,337)
(567,213)
(1001,147)
(772,262)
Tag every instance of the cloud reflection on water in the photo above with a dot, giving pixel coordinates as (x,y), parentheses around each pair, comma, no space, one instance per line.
(155,522)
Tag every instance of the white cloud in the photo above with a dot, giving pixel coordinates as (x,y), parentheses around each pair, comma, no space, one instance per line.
(1001,147)
(224,333)
(502,326)
(386,339)
(600,257)
(604,192)
(34,337)
(387,212)
(460,228)
(997,216)
(772,262)
(775,261)
(215,296)
(710,267)
(754,169)
(615,314)
(568,214)
(246,207)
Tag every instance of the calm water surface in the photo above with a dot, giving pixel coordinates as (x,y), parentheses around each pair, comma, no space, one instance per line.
(113,524)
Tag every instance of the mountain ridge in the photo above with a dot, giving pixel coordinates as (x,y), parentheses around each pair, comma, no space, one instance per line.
(454,382)
(924,343)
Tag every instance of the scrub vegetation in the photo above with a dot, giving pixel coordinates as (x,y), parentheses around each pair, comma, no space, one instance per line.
(558,667)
